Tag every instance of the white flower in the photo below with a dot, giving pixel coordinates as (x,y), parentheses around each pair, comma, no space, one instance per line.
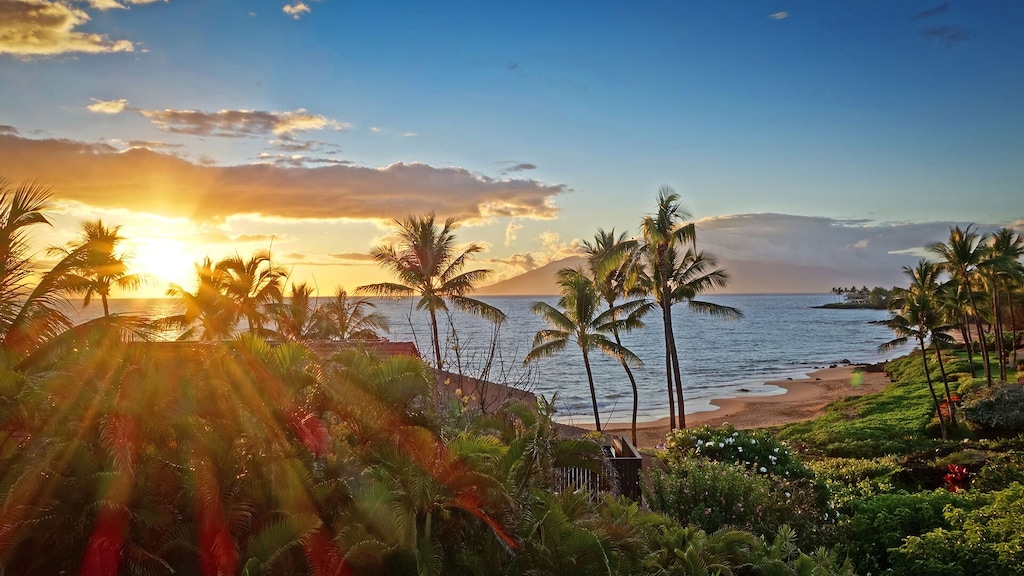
(721,445)
(728,441)
(787,494)
(735,434)
(753,440)
(740,448)
(762,469)
(776,450)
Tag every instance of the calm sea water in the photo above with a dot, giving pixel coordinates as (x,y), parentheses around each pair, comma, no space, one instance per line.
(779,337)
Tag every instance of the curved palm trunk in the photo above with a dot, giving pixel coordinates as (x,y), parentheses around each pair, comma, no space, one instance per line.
(435,339)
(667,322)
(106,306)
(981,338)
(593,392)
(997,331)
(945,384)
(632,383)
(965,333)
(1013,328)
(677,376)
(931,388)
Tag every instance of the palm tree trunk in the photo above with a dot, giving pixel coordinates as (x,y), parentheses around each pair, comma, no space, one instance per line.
(945,384)
(668,366)
(965,332)
(434,338)
(632,383)
(998,328)
(677,376)
(931,388)
(1013,328)
(106,306)
(981,335)
(593,392)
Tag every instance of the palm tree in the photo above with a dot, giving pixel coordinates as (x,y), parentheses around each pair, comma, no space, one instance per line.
(29,308)
(672,275)
(427,264)
(916,315)
(961,255)
(581,321)
(251,284)
(208,314)
(98,267)
(296,320)
(611,261)
(1002,268)
(351,317)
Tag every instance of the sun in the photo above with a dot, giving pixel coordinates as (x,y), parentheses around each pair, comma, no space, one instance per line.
(167,260)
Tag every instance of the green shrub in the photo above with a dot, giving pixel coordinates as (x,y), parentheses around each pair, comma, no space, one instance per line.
(852,479)
(881,524)
(998,472)
(999,408)
(975,540)
(714,495)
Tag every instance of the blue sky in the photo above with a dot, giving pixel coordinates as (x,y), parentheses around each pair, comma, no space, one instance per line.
(837,133)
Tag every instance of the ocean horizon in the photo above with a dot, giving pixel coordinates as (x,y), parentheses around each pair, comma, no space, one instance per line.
(781,336)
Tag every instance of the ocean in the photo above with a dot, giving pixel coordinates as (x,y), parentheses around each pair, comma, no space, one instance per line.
(779,337)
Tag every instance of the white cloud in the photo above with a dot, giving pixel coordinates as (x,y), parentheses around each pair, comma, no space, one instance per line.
(782,15)
(296,10)
(109,4)
(239,123)
(510,232)
(48,28)
(107,106)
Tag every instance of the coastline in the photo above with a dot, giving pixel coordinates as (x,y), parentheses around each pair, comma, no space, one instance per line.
(804,399)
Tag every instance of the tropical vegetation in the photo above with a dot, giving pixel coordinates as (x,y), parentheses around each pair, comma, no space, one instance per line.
(236,447)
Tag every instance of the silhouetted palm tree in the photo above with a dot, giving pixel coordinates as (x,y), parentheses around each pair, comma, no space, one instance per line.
(209,314)
(351,318)
(97,266)
(612,261)
(30,312)
(675,272)
(427,264)
(251,284)
(580,320)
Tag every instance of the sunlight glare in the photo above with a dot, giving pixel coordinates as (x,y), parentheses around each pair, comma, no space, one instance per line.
(166,259)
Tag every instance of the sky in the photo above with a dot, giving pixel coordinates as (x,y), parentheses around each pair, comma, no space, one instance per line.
(816,144)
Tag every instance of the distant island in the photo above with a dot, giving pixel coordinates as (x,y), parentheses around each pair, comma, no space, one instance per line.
(876,298)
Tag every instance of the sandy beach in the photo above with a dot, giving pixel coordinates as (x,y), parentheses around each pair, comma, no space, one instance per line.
(804,399)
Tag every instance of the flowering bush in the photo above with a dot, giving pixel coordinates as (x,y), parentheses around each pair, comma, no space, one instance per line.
(713,495)
(757,450)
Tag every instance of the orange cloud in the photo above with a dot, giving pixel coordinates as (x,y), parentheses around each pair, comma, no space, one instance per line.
(45,28)
(296,10)
(154,182)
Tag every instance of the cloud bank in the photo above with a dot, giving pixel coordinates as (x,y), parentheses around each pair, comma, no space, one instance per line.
(46,28)
(155,182)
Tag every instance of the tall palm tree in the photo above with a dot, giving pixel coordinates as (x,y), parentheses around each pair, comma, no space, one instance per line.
(580,320)
(961,255)
(251,284)
(98,267)
(1002,268)
(30,306)
(351,317)
(611,261)
(675,272)
(924,280)
(915,315)
(427,264)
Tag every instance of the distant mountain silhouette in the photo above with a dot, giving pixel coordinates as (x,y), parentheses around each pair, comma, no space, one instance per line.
(536,282)
(745,277)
